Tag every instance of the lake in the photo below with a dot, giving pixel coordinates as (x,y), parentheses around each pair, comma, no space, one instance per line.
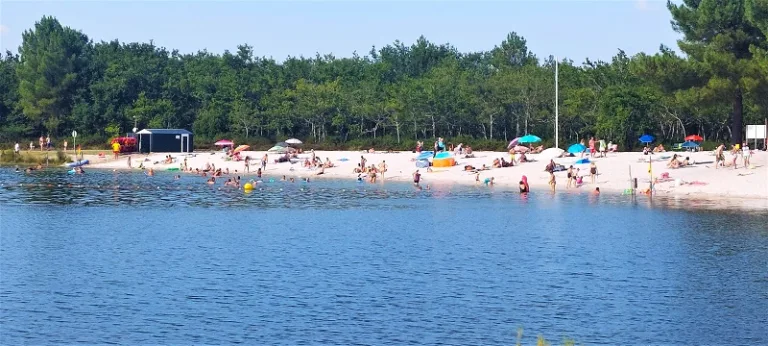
(125,258)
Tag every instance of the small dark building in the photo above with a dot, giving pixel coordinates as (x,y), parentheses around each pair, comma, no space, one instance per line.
(165,141)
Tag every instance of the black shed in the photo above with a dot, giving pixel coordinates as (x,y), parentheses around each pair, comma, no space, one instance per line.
(165,141)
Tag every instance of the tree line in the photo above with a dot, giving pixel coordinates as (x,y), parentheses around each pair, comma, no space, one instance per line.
(62,81)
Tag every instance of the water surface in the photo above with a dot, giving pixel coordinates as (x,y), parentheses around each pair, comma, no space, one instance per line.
(131,259)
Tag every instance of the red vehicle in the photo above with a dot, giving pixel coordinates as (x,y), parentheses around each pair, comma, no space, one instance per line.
(127,144)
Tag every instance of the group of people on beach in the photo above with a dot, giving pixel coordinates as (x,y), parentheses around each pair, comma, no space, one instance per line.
(737,151)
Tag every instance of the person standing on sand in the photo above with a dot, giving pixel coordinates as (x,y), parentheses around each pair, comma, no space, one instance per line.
(16,148)
(593,171)
(129,161)
(247,164)
(570,177)
(48,142)
(719,156)
(552,181)
(382,168)
(41,141)
(65,146)
(116,149)
(264,162)
(744,153)
(362,162)
(592,146)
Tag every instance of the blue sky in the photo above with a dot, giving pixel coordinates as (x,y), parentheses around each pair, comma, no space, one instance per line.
(565,28)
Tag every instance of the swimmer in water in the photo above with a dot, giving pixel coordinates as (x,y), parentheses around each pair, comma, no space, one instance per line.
(211,181)
(151,172)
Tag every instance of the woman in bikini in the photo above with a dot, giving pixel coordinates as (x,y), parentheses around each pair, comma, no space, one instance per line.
(552,181)
(593,171)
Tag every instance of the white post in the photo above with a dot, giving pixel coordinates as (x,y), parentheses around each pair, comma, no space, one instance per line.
(557,135)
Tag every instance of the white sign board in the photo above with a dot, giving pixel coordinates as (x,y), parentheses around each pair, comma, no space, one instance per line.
(756,132)
(74,134)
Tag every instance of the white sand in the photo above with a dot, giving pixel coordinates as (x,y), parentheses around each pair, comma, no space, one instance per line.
(613,171)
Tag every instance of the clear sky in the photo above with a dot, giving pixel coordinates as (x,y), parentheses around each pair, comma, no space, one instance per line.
(565,28)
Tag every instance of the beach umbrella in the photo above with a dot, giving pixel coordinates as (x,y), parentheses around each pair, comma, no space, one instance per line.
(694,138)
(520,149)
(277,149)
(224,142)
(550,153)
(647,138)
(581,161)
(513,143)
(240,148)
(281,144)
(577,148)
(529,139)
(293,141)
(690,145)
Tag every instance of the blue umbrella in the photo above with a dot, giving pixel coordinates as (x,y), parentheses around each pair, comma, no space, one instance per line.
(690,144)
(582,161)
(529,139)
(647,138)
(577,148)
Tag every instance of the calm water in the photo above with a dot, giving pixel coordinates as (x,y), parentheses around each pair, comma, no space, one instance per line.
(124,258)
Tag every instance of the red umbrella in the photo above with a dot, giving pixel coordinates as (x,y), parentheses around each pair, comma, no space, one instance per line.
(694,138)
(224,142)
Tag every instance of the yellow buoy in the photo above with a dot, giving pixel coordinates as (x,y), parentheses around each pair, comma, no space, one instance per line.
(248,187)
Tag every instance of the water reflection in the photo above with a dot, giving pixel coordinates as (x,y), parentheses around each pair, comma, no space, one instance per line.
(99,187)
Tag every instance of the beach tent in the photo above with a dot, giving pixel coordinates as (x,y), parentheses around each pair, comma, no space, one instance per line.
(277,149)
(581,161)
(443,159)
(282,144)
(577,148)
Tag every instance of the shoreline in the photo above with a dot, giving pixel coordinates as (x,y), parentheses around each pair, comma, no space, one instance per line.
(747,185)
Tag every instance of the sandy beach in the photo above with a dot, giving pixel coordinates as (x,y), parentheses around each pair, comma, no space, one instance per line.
(700,179)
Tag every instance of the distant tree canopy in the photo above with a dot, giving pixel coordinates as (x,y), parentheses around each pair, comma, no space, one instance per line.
(61,81)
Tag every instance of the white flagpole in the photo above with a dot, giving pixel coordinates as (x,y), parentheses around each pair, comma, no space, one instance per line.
(557,135)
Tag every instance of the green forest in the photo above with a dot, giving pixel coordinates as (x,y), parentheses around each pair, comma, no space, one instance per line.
(394,95)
